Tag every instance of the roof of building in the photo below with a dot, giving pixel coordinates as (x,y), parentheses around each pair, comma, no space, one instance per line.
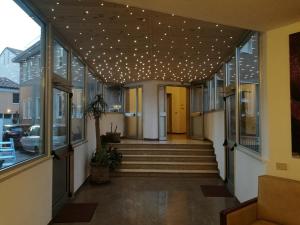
(7,83)
(13,50)
(32,50)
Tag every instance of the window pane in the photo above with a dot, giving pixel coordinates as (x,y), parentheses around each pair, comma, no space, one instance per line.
(206,96)
(231,72)
(99,87)
(220,88)
(249,94)
(60,119)
(77,100)
(91,88)
(212,95)
(20,131)
(113,98)
(60,60)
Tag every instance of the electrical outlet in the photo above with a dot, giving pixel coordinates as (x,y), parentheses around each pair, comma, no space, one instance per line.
(281,166)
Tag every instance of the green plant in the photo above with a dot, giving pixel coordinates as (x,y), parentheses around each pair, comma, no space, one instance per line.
(96,109)
(108,156)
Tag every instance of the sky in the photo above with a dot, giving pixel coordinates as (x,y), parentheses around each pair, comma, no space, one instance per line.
(17,29)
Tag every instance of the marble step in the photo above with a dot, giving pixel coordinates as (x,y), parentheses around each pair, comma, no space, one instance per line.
(146,151)
(164,173)
(169,165)
(169,158)
(207,145)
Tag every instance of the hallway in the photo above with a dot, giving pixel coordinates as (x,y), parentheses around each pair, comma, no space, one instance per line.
(153,201)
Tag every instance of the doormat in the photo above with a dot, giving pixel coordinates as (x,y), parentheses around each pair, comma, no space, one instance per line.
(76,213)
(215,191)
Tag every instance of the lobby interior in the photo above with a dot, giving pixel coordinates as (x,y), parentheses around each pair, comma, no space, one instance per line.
(199,91)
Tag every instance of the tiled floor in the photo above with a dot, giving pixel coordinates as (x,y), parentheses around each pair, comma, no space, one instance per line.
(153,201)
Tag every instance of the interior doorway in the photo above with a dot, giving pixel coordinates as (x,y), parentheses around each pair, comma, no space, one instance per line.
(177,106)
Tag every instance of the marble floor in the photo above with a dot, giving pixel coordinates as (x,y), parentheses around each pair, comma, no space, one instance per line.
(153,201)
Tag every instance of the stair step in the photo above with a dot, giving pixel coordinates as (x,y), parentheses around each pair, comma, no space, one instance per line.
(170,158)
(167,173)
(207,145)
(169,165)
(206,152)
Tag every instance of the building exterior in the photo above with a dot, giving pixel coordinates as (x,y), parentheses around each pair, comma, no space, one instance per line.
(30,79)
(8,68)
(9,98)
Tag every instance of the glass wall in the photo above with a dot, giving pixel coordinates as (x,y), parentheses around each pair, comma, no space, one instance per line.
(21,96)
(249,94)
(113,98)
(77,124)
(60,60)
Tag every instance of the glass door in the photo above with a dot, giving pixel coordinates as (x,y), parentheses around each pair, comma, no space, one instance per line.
(162,122)
(60,148)
(230,123)
(196,112)
(134,112)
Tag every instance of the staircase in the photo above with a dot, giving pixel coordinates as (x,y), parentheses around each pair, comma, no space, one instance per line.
(196,160)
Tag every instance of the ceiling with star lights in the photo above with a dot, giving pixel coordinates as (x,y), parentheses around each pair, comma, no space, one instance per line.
(125,44)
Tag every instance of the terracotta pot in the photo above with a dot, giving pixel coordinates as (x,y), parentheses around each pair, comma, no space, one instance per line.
(99,174)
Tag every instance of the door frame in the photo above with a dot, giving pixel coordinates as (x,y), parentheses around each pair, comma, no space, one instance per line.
(136,111)
(187,87)
(201,113)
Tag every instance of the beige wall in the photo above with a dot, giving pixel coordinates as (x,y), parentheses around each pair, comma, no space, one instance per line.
(178,108)
(6,99)
(26,198)
(276,56)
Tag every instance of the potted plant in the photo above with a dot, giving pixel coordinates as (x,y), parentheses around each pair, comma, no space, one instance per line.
(113,136)
(104,158)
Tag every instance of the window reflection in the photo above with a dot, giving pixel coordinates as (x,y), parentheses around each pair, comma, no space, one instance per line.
(113,97)
(249,94)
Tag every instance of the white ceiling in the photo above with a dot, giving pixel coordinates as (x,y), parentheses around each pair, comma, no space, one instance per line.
(125,44)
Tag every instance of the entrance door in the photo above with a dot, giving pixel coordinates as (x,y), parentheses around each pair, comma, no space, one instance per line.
(162,100)
(134,112)
(196,112)
(60,148)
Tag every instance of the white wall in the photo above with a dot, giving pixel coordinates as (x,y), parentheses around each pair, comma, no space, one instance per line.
(277,94)
(214,131)
(26,198)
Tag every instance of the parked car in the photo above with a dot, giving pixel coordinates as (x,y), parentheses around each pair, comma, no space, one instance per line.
(32,142)
(16,132)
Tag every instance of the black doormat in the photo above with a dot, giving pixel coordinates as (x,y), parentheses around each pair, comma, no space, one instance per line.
(76,213)
(215,191)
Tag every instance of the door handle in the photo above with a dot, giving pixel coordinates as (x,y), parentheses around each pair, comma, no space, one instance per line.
(232,148)
(55,156)
(225,143)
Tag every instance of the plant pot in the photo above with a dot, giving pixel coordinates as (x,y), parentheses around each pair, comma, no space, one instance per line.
(99,174)
(113,137)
